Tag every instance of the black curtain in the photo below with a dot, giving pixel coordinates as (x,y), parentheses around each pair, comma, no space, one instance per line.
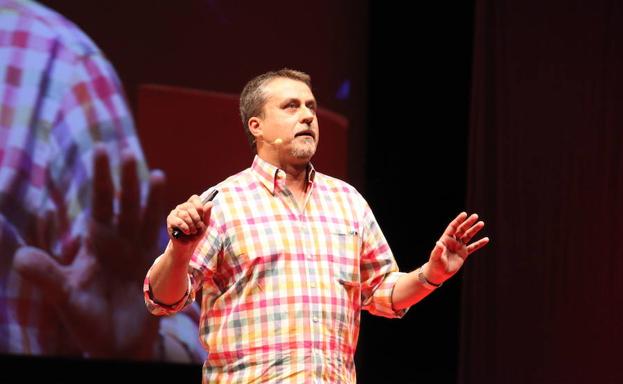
(542,304)
(416,165)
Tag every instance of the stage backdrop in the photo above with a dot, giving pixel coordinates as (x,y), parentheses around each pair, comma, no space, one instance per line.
(188,51)
(220,45)
(417,120)
(543,302)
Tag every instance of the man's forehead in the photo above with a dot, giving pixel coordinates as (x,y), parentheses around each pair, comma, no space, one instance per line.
(285,88)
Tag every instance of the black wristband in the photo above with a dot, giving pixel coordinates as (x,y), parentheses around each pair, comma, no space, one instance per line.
(425,282)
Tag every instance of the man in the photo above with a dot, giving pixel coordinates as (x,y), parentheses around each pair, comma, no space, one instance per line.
(286,257)
(73,186)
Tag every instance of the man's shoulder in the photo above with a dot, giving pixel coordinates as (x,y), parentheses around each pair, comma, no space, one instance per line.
(237,182)
(333,184)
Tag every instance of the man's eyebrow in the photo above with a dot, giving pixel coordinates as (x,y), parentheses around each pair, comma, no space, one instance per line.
(289,100)
(296,100)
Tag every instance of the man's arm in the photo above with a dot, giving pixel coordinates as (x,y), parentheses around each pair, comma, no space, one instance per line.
(168,278)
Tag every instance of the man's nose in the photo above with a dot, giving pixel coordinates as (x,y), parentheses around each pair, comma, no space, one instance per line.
(307,115)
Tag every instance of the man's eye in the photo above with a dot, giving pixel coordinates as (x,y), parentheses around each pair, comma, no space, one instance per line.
(292,105)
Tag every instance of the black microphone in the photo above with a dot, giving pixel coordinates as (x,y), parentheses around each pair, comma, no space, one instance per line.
(177,233)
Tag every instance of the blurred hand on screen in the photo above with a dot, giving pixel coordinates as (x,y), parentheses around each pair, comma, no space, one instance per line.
(98,294)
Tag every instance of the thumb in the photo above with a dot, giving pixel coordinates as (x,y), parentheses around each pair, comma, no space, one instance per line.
(38,267)
(207,211)
(437,251)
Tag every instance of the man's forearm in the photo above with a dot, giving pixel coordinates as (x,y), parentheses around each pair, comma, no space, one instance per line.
(409,290)
(169,277)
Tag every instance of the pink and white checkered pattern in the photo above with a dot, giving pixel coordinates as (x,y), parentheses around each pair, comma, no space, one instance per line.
(282,285)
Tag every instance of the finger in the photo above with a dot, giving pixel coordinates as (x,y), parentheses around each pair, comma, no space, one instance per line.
(154,210)
(477,245)
(103,190)
(189,216)
(471,232)
(466,225)
(44,235)
(454,224)
(130,197)
(36,266)
(195,200)
(196,210)
(70,250)
(180,219)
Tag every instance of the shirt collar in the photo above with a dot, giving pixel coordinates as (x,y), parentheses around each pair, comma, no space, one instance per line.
(272,177)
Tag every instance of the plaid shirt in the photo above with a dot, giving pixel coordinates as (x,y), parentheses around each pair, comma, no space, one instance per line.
(282,285)
(59,96)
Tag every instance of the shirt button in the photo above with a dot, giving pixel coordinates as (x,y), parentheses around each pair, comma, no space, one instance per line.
(313,285)
(310,257)
(315,319)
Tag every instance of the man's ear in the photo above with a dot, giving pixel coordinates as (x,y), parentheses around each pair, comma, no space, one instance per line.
(255,126)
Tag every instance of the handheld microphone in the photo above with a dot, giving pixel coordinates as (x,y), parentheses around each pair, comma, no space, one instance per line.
(177,233)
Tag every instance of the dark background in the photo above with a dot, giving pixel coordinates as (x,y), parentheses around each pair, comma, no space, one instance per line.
(512,109)
(409,72)
(416,164)
(543,303)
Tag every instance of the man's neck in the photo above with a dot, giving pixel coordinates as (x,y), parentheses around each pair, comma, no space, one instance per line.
(296,178)
(296,173)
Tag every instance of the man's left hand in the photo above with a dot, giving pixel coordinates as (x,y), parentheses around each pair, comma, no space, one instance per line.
(453,248)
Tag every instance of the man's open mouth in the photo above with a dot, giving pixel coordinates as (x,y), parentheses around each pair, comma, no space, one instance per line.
(308,133)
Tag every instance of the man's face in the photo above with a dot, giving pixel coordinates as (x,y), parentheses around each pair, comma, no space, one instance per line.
(289,114)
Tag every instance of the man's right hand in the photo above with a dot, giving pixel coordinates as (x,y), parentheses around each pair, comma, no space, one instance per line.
(192,218)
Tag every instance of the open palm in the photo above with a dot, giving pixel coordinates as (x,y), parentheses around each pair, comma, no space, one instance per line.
(453,247)
(98,294)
